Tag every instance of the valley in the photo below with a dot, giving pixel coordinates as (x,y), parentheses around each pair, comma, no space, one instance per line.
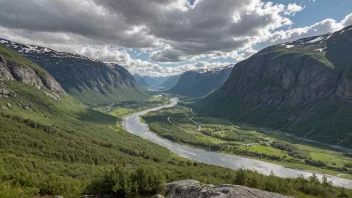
(126,104)
(220,135)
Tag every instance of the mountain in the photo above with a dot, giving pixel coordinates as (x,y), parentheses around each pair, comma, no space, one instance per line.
(89,81)
(199,83)
(170,82)
(154,81)
(140,81)
(302,87)
(148,81)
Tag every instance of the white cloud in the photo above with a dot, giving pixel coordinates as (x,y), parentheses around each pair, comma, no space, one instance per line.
(184,31)
(347,20)
(293,8)
(171,31)
(322,27)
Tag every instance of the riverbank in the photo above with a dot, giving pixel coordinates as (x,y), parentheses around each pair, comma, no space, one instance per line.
(132,124)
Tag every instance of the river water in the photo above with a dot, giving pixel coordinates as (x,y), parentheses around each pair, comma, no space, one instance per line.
(132,124)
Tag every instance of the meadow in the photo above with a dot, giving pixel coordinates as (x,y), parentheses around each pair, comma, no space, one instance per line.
(182,125)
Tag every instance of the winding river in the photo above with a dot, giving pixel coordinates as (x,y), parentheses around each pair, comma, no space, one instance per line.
(132,124)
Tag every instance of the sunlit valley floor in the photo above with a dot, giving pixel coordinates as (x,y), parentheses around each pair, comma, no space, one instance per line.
(182,125)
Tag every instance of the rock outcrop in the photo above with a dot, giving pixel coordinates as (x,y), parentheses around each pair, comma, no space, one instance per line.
(26,73)
(303,87)
(195,189)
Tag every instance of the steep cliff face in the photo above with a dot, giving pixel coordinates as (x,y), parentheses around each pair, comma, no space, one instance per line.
(195,189)
(201,82)
(15,67)
(90,81)
(170,82)
(140,81)
(303,87)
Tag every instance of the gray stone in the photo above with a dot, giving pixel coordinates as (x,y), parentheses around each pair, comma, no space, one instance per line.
(27,107)
(158,196)
(5,74)
(4,91)
(4,108)
(9,105)
(2,60)
(26,75)
(195,189)
(51,84)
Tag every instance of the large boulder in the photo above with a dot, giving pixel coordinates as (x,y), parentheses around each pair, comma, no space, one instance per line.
(195,189)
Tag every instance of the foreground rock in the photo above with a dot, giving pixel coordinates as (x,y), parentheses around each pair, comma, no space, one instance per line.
(195,189)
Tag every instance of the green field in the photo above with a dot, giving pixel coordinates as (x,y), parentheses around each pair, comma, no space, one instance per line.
(122,109)
(220,135)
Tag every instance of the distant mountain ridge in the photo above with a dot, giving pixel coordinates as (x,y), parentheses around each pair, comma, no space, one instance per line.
(140,81)
(198,83)
(303,87)
(149,81)
(170,82)
(90,81)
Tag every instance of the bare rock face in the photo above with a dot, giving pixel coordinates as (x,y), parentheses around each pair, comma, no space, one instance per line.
(4,108)
(2,60)
(157,196)
(4,91)
(5,73)
(195,189)
(51,84)
(26,75)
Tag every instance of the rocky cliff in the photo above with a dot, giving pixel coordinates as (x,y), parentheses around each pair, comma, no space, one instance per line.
(303,87)
(199,83)
(195,189)
(140,81)
(170,82)
(90,81)
(14,67)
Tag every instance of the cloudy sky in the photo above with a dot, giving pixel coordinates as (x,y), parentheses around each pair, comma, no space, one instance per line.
(167,37)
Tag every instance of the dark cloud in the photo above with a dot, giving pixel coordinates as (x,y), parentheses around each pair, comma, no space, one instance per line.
(176,30)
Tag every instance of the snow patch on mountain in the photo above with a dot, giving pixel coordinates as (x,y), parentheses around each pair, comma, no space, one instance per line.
(320,38)
(33,51)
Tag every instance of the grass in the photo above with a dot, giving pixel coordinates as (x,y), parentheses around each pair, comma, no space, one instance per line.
(122,109)
(266,149)
(223,136)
